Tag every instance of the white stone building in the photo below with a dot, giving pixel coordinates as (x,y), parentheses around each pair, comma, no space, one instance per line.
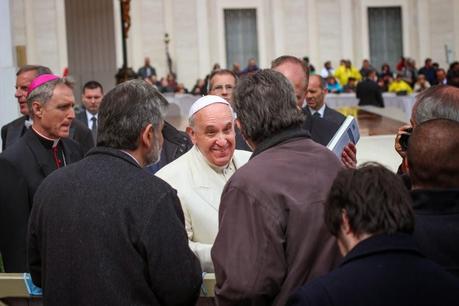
(85,35)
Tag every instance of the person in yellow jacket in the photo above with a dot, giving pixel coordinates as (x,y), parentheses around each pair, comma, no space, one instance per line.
(398,85)
(345,71)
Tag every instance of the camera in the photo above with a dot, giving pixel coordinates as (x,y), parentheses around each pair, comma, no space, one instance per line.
(405,139)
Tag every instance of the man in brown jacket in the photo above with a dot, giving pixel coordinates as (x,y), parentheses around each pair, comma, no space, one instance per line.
(272,237)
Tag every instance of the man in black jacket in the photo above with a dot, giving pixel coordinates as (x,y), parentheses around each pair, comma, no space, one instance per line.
(14,130)
(315,98)
(43,148)
(321,130)
(433,164)
(119,238)
(368,91)
(370,213)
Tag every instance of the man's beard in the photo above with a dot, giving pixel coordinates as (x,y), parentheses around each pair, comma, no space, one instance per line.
(154,155)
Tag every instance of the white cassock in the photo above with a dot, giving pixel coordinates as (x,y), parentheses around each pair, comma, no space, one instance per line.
(199,187)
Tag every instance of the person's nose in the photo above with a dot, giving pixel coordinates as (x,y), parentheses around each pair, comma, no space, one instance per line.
(18,93)
(71,113)
(221,140)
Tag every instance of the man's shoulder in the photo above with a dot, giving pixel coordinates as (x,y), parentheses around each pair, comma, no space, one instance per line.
(16,122)
(19,148)
(175,136)
(241,157)
(81,115)
(180,165)
(332,112)
(313,293)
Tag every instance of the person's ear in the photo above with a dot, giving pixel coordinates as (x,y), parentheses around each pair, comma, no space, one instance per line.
(147,135)
(37,109)
(238,123)
(190,131)
(345,226)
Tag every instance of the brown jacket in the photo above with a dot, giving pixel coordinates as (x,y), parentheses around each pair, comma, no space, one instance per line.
(272,237)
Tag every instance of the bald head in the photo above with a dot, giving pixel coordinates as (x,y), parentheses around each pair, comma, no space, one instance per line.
(436,102)
(432,154)
(296,72)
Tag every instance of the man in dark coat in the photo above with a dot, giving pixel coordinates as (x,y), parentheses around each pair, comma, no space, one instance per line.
(433,163)
(315,98)
(146,70)
(370,213)
(43,148)
(14,130)
(368,91)
(91,97)
(321,130)
(280,240)
(104,231)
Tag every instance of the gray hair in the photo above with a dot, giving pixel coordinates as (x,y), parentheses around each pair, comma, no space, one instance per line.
(265,104)
(37,68)
(125,111)
(44,92)
(441,101)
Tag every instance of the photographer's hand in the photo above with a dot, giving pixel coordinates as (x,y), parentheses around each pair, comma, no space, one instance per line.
(398,147)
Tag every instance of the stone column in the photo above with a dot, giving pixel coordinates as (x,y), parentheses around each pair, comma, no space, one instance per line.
(8,106)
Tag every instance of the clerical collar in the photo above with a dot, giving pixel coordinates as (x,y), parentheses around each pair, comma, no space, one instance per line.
(222,170)
(48,142)
(28,122)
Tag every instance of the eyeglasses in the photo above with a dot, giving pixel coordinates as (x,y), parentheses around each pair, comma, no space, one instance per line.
(227,87)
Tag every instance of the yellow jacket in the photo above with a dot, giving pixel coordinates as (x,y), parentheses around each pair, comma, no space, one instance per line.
(343,74)
(397,86)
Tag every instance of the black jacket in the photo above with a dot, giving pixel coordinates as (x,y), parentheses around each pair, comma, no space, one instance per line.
(437,226)
(320,129)
(23,166)
(176,143)
(368,93)
(380,271)
(103,231)
(13,131)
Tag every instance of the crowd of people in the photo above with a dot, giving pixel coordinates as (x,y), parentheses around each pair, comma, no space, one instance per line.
(404,79)
(115,206)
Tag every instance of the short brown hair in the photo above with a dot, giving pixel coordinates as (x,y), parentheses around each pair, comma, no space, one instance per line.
(220,72)
(374,199)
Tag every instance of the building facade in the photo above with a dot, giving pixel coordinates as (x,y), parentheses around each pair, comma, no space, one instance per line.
(85,35)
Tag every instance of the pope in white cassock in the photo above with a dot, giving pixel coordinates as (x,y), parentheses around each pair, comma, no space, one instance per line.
(200,175)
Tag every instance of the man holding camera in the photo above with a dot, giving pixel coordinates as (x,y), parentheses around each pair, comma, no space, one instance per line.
(430,157)
(433,103)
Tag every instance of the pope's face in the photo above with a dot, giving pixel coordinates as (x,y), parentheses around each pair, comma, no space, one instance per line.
(213,133)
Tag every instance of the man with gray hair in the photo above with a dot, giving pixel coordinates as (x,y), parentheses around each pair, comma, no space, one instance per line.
(14,130)
(272,238)
(200,175)
(104,231)
(433,162)
(44,148)
(436,102)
